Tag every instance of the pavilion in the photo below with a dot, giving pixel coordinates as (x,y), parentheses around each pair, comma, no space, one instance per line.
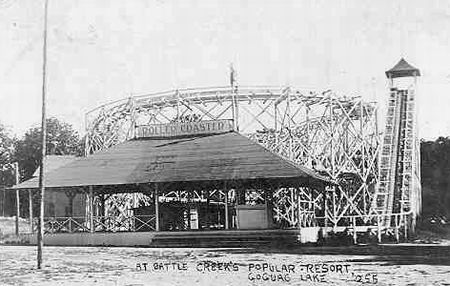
(188,179)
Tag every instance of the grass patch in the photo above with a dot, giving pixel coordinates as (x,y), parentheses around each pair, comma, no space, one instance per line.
(432,233)
(8,229)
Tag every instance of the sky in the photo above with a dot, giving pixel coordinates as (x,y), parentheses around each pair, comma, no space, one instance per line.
(104,50)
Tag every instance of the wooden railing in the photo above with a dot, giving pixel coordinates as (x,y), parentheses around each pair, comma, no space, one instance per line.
(65,224)
(400,224)
(100,224)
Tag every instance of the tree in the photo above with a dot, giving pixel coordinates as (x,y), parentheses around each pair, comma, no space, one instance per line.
(62,139)
(435,173)
(6,157)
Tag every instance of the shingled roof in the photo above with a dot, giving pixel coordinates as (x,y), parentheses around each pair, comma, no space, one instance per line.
(229,156)
(53,162)
(402,69)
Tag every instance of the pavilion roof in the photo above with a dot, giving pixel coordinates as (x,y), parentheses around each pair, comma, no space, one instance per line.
(220,157)
(53,162)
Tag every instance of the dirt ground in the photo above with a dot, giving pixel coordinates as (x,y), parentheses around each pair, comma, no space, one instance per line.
(396,264)
(393,265)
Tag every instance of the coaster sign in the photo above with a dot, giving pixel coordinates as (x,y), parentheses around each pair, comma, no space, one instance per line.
(177,129)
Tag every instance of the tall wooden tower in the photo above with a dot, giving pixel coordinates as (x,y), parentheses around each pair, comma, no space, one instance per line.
(399,190)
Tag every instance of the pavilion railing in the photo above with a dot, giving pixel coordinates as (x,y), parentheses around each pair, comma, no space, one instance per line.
(65,224)
(399,223)
(100,224)
(125,223)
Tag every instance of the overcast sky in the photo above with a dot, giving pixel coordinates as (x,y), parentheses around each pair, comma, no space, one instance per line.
(100,50)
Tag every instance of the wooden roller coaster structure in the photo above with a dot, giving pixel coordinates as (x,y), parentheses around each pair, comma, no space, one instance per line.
(337,136)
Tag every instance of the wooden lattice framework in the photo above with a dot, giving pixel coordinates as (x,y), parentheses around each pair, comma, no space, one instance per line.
(335,135)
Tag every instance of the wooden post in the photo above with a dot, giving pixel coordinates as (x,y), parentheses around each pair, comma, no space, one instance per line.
(30,208)
(292,207)
(299,211)
(69,213)
(397,220)
(269,202)
(413,222)
(208,199)
(225,190)
(102,211)
(355,236)
(91,209)
(188,208)
(234,215)
(17,211)
(379,228)
(40,235)
(406,226)
(70,195)
(135,205)
(156,207)
(3,191)
(240,196)
(325,208)
(234,100)
(16,173)
(334,209)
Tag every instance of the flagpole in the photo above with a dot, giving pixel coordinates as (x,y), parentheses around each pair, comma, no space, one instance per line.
(40,234)
(234,106)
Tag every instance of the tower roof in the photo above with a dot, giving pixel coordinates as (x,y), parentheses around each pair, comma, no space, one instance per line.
(402,69)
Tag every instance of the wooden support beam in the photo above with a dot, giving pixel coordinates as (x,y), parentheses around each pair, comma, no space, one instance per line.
(70,195)
(187,195)
(16,172)
(405,223)
(379,228)
(225,190)
(334,209)
(91,209)
(30,209)
(299,210)
(325,208)
(240,196)
(17,211)
(292,207)
(269,202)
(397,235)
(156,207)
(103,210)
(355,236)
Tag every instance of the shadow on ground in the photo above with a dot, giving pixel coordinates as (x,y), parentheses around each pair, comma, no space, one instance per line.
(386,254)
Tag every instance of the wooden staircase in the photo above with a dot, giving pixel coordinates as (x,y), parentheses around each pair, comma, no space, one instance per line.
(395,189)
(226,238)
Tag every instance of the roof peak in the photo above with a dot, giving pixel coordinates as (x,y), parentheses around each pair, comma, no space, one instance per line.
(402,69)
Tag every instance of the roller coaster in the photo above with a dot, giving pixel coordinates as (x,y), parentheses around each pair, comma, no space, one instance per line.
(377,173)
